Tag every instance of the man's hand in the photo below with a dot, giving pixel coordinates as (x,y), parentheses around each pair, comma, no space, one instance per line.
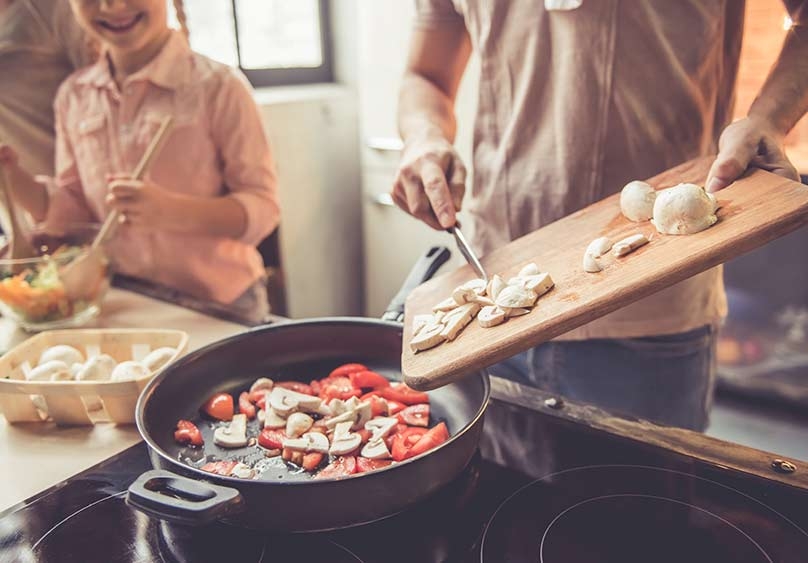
(748,142)
(430,182)
(144,203)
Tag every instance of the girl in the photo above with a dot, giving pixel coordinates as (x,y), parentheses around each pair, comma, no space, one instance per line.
(210,194)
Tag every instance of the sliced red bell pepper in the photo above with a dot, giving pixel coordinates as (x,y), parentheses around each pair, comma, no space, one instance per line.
(368,380)
(245,406)
(271,439)
(188,433)
(403,394)
(347,369)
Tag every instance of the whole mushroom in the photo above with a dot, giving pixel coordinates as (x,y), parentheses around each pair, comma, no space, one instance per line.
(684,209)
(637,201)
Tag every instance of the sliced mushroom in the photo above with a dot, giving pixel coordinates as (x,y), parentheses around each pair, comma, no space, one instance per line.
(496,285)
(515,311)
(457,320)
(477,285)
(309,442)
(242,471)
(375,450)
(529,269)
(273,420)
(262,383)
(483,300)
(629,244)
(298,424)
(285,401)
(539,283)
(234,434)
(344,440)
(599,247)
(590,264)
(463,295)
(445,305)
(516,296)
(381,427)
(363,414)
(491,316)
(262,417)
(420,321)
(429,337)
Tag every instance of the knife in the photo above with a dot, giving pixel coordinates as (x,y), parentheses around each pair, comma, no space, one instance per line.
(466,250)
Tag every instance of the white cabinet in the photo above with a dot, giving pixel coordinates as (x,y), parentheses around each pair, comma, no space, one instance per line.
(392,239)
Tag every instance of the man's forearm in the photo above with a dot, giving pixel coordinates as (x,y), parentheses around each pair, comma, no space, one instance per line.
(219,217)
(27,192)
(424,110)
(783,100)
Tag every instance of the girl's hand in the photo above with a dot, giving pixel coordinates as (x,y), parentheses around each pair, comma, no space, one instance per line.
(144,203)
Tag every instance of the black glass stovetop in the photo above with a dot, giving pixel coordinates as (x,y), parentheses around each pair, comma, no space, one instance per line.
(541,489)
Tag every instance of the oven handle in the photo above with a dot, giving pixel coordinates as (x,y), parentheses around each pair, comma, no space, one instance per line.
(168,496)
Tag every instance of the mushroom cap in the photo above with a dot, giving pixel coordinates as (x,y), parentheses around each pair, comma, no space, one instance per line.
(637,201)
(97,368)
(683,210)
(158,358)
(46,371)
(63,353)
(262,383)
(129,369)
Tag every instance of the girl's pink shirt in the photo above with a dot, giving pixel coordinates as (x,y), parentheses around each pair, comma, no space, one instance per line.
(217,147)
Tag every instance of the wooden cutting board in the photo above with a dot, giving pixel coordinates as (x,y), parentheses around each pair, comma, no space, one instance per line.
(753,211)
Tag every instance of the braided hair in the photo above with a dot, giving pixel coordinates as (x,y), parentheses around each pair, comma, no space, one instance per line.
(182,17)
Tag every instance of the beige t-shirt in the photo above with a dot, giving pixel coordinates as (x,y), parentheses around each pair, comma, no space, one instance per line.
(40,45)
(575,103)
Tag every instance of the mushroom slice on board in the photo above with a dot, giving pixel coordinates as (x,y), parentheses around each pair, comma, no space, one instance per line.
(420,321)
(309,442)
(456,320)
(516,296)
(298,424)
(496,285)
(344,440)
(234,434)
(491,316)
(483,300)
(445,305)
(539,283)
(429,337)
(629,244)
(529,269)
(463,295)
(515,311)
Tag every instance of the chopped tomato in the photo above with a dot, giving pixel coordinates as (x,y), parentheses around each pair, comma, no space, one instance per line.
(365,434)
(296,386)
(245,406)
(312,460)
(394,407)
(392,436)
(340,467)
(219,467)
(259,398)
(378,405)
(271,439)
(188,433)
(316,387)
(434,437)
(363,464)
(404,394)
(416,415)
(292,456)
(368,380)
(346,370)
(404,441)
(219,406)
(338,388)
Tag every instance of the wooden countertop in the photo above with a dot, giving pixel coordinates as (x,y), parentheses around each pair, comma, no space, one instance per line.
(34,456)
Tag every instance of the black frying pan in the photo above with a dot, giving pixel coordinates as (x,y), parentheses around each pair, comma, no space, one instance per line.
(280,500)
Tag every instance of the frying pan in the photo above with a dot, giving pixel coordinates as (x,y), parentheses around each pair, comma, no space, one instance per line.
(280,500)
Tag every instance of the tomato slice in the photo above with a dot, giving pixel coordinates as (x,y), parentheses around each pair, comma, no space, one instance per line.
(404,441)
(363,464)
(416,415)
(188,433)
(219,467)
(404,394)
(378,405)
(271,439)
(338,388)
(340,467)
(259,398)
(296,386)
(346,370)
(394,407)
(245,406)
(312,460)
(368,380)
(436,435)
(219,406)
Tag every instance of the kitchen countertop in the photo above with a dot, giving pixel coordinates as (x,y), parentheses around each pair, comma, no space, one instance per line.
(34,456)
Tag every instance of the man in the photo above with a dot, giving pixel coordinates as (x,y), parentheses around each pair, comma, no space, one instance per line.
(576,98)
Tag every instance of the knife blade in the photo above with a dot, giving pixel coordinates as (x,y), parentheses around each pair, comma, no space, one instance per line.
(468,252)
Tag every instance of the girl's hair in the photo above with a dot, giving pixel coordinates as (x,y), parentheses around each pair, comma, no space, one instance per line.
(179,8)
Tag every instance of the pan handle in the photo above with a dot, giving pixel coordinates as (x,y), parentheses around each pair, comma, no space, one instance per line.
(423,270)
(175,498)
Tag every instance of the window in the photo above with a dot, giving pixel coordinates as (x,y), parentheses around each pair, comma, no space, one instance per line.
(274,42)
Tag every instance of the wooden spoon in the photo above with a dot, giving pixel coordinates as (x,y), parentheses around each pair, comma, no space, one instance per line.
(18,245)
(82,275)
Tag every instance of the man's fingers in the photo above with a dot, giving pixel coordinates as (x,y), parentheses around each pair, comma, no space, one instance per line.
(417,202)
(738,148)
(457,183)
(437,192)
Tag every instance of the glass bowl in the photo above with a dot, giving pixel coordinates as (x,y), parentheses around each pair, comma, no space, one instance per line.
(31,291)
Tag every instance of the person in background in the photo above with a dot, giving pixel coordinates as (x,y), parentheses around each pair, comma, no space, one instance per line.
(210,195)
(576,98)
(41,43)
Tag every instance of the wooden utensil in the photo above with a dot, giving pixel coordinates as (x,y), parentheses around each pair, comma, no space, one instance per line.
(80,275)
(18,245)
(756,209)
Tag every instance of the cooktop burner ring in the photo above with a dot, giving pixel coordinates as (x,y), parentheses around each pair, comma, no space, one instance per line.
(539,505)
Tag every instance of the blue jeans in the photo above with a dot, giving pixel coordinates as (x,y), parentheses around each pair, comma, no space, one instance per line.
(666,379)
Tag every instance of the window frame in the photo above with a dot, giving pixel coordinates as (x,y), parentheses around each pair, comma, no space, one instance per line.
(267,77)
